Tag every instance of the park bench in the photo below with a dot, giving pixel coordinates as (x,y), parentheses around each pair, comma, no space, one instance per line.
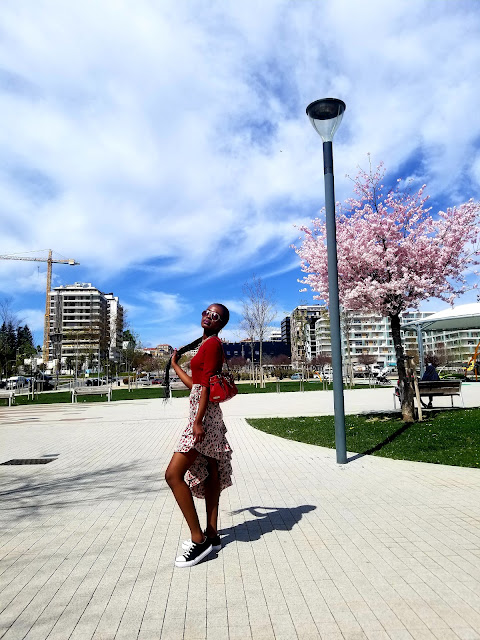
(8,394)
(440,388)
(437,389)
(92,391)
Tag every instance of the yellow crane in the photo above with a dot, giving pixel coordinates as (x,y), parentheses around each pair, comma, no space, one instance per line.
(49,261)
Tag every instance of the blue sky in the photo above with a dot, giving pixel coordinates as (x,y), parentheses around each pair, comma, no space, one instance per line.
(165,146)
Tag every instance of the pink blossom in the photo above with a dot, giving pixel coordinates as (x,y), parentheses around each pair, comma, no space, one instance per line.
(392,251)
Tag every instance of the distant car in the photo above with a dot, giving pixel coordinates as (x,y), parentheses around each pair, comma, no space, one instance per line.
(296,376)
(95,382)
(157,381)
(16,382)
(44,381)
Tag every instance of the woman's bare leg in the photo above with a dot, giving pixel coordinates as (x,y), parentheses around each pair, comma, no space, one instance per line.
(212,496)
(174,475)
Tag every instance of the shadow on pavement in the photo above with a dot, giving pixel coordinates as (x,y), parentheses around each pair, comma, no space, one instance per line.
(382,444)
(276,519)
(27,497)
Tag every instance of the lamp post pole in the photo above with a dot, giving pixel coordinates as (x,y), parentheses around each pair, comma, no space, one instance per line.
(325,116)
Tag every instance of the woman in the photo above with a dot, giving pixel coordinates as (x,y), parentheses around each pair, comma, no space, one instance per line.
(430,375)
(201,464)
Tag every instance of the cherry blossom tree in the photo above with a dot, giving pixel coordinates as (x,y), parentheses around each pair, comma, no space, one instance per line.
(393,252)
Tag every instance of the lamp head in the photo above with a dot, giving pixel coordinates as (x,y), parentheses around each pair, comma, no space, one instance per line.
(325,116)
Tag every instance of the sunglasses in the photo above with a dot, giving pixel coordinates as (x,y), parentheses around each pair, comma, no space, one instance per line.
(213,315)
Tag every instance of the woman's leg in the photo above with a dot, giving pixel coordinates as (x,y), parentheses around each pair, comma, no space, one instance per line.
(174,475)
(212,496)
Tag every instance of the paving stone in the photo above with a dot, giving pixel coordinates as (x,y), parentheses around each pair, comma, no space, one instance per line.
(377,549)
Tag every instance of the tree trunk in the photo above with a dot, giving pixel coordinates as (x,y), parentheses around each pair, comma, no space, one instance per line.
(260,361)
(405,381)
(253,361)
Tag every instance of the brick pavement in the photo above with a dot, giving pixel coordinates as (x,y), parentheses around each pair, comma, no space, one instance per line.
(374,549)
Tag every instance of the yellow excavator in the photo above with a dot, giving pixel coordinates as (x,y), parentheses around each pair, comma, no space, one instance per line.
(472,363)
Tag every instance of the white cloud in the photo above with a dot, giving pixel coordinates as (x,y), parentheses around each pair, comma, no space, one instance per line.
(32,317)
(234,306)
(172,130)
(171,140)
(164,307)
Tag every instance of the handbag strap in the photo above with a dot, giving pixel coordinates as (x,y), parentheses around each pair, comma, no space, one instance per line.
(223,350)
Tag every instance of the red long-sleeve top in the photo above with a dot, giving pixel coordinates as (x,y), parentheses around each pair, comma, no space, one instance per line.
(207,362)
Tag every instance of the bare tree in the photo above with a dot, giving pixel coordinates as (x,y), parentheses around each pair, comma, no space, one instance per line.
(366,359)
(259,310)
(434,358)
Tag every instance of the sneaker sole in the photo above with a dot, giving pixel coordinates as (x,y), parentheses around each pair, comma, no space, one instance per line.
(192,563)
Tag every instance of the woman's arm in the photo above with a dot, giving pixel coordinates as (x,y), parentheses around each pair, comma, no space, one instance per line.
(184,377)
(198,430)
(212,364)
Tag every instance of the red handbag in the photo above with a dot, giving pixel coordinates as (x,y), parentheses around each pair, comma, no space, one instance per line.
(222,387)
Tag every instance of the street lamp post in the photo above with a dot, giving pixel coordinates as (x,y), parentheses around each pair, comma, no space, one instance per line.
(325,116)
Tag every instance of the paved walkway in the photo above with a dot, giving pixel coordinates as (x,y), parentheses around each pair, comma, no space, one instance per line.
(373,549)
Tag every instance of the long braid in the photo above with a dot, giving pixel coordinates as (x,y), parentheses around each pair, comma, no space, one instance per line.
(180,352)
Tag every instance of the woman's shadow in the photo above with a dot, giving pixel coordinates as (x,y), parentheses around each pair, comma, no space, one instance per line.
(266,520)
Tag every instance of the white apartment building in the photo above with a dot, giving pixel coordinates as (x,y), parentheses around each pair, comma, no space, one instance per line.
(366,332)
(115,324)
(275,335)
(454,347)
(370,333)
(84,324)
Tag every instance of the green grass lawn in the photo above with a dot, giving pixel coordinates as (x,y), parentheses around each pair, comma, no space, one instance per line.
(157,392)
(449,437)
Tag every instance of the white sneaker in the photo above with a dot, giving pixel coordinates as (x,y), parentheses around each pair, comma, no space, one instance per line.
(195,553)
(215,542)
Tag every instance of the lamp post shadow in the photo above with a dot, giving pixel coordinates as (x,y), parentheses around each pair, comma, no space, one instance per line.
(393,436)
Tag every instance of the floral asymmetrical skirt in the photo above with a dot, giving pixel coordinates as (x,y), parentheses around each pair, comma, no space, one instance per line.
(214,445)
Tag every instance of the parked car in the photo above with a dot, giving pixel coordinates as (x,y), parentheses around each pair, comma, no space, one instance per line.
(296,376)
(17,382)
(157,381)
(95,382)
(44,382)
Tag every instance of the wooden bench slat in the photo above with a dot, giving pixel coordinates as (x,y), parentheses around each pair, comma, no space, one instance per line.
(4,393)
(438,389)
(89,391)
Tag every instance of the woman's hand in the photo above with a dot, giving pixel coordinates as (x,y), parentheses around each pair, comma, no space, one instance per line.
(198,432)
(175,357)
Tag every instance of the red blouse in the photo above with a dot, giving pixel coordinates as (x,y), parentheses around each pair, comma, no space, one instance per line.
(207,362)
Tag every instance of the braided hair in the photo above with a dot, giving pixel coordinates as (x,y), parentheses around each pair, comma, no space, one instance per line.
(180,352)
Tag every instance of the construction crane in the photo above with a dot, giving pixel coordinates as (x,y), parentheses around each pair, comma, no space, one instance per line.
(49,261)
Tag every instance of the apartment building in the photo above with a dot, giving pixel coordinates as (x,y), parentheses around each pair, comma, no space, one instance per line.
(369,333)
(275,335)
(285,330)
(115,324)
(270,349)
(364,333)
(302,331)
(85,323)
(454,348)
(163,350)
